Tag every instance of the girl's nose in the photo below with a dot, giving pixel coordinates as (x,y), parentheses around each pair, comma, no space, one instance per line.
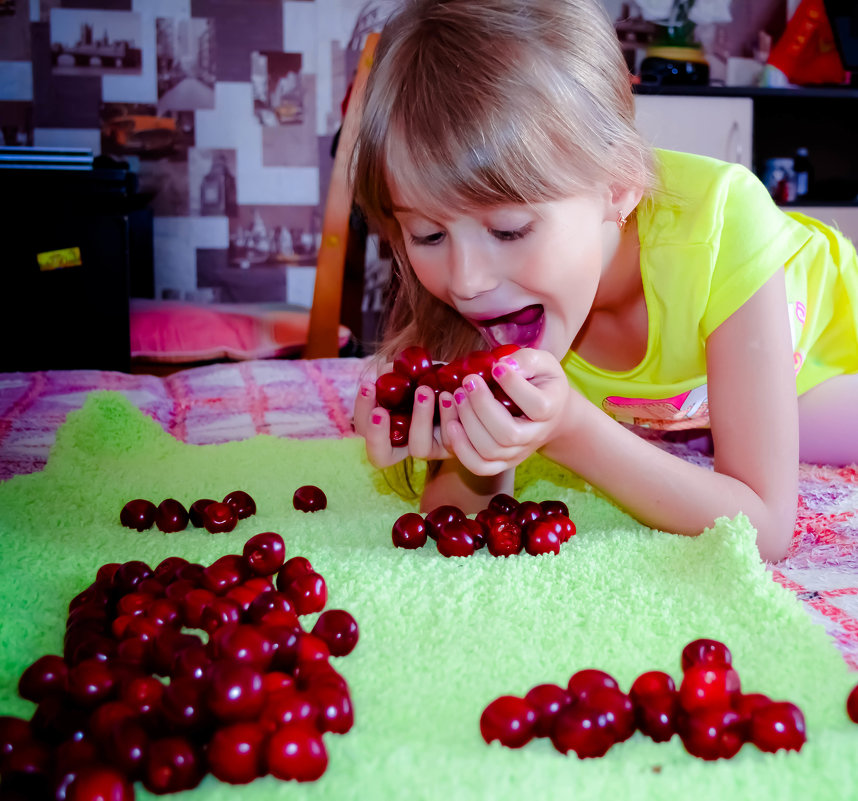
(472,272)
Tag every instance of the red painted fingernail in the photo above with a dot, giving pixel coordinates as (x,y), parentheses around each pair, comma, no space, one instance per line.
(470,385)
(422,397)
(510,362)
(365,391)
(446,403)
(459,396)
(498,370)
(376,418)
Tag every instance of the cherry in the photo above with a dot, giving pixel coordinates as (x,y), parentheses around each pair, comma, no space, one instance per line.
(503,503)
(510,720)
(138,514)
(308,593)
(586,681)
(129,574)
(309,499)
(338,629)
(287,706)
(335,713)
(779,724)
(583,729)
(219,518)
(14,732)
(547,700)
(48,675)
(504,537)
(242,643)
(267,602)
(192,662)
(711,733)
(172,765)
(455,539)
(90,682)
(143,694)
(184,705)
(526,512)
(708,652)
(440,516)
(220,612)
(617,707)
(196,512)
(171,516)
(242,503)
(297,751)
(166,571)
(235,753)
(194,603)
(394,391)
(563,526)
(852,704)
(653,682)
(265,553)
(413,362)
(541,537)
(505,350)
(127,747)
(409,531)
(234,691)
(479,362)
(284,642)
(450,375)
(400,426)
(100,783)
(708,685)
(744,704)
(657,714)
(105,716)
(293,568)
(554,508)
(224,573)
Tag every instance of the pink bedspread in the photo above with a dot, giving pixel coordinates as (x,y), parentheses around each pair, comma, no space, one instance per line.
(307,399)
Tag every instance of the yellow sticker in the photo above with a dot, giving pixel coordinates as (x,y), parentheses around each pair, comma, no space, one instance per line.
(56,259)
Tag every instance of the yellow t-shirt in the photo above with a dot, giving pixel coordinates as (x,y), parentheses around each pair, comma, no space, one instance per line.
(709,239)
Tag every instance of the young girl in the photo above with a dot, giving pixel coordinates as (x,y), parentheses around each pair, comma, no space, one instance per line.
(498,155)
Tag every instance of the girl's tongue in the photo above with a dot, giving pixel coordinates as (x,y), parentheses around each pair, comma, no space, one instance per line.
(522,328)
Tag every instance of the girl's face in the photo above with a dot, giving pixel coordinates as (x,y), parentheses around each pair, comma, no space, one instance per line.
(525,274)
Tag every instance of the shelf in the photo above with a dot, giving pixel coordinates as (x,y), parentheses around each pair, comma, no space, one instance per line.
(802,92)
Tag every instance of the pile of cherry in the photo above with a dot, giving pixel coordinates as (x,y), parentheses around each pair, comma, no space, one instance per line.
(413,367)
(709,711)
(505,527)
(173,672)
(171,515)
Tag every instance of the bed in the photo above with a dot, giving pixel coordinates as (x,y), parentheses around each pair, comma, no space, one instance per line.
(308,403)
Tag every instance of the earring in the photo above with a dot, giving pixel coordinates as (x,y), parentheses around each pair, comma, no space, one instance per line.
(621,221)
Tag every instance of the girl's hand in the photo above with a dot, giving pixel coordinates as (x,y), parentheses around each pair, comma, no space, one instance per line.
(485,437)
(425,439)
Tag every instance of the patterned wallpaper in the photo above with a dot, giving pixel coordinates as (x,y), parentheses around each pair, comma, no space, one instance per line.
(225,108)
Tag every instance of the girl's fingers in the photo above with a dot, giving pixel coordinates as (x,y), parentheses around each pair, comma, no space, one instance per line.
(460,445)
(364,404)
(533,379)
(423,436)
(377,435)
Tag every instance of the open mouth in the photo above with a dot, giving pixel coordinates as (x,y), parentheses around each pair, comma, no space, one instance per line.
(522,327)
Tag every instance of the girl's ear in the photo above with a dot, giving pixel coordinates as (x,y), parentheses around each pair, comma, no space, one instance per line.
(622,201)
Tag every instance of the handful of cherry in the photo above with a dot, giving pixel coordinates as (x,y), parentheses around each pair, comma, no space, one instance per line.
(172,672)
(171,515)
(413,367)
(506,527)
(709,712)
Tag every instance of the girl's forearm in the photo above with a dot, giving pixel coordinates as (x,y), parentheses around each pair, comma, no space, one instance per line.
(666,492)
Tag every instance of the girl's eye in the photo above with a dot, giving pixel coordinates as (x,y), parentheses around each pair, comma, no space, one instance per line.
(511,236)
(431,239)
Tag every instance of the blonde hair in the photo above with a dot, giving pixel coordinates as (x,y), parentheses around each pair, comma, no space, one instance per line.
(476,103)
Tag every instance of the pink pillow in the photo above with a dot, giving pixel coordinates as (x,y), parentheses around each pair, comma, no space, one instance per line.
(178,332)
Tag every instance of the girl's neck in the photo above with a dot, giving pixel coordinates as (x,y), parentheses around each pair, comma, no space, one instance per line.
(620,285)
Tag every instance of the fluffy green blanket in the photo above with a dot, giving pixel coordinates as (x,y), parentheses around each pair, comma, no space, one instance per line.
(440,638)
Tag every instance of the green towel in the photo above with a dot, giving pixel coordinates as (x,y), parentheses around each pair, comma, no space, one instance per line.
(440,638)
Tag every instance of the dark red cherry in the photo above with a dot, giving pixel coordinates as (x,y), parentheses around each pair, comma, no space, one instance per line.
(409,531)
(400,426)
(450,375)
(852,704)
(265,553)
(707,652)
(711,733)
(235,691)
(171,516)
(90,682)
(413,362)
(241,502)
(219,518)
(652,682)
(297,752)
(527,512)
(541,537)
(440,516)
(504,350)
(184,705)
(308,593)
(244,643)
(138,514)
(172,764)
(196,512)
(225,572)
(335,713)
(619,710)
(708,685)
(268,602)
(13,733)
(550,507)
(129,574)
(309,498)
(236,752)
(583,729)
(657,714)
(221,611)
(479,362)
(338,629)
(547,700)
(143,694)
(96,782)
(504,538)
(778,725)
(48,675)
(510,720)
(286,706)
(503,503)
(167,569)
(584,682)
(455,539)
(394,392)
(745,704)
(127,747)
(294,567)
